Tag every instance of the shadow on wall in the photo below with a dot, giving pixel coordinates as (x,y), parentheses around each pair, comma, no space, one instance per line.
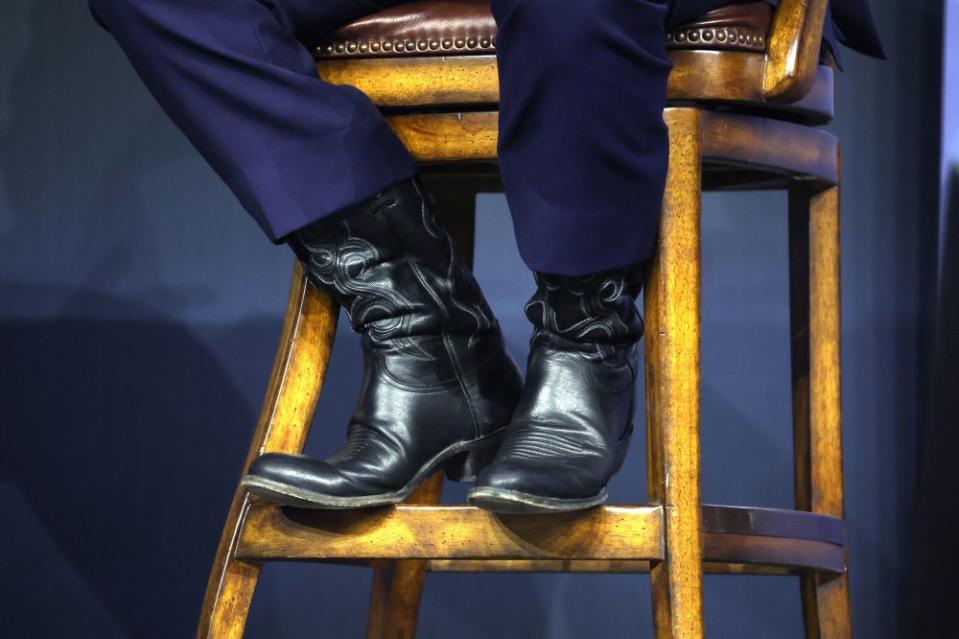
(121,444)
(64,173)
(121,433)
(99,190)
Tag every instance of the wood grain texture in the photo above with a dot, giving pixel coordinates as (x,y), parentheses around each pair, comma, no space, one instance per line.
(722,553)
(733,536)
(831,610)
(418,81)
(672,303)
(452,83)
(795,39)
(737,540)
(768,145)
(398,585)
(449,137)
(735,78)
(294,388)
(825,419)
(832,602)
(773,522)
(450,532)
(771,551)
(589,566)
(729,141)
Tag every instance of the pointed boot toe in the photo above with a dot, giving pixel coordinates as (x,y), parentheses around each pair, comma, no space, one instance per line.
(521,488)
(304,482)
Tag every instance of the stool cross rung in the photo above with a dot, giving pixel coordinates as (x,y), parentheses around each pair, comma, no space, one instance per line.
(451,532)
(732,536)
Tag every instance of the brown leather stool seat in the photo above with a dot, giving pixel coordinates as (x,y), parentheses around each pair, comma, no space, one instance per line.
(466,27)
(459,29)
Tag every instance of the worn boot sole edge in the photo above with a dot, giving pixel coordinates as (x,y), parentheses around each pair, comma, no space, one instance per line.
(514,502)
(284,494)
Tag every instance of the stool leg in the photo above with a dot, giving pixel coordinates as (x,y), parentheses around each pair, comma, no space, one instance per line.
(398,585)
(284,423)
(817,425)
(672,304)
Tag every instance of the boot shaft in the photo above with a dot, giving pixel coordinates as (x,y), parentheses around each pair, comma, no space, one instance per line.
(392,266)
(594,315)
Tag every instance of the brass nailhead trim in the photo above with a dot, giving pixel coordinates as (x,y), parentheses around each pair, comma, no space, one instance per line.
(346,48)
(717,37)
(737,37)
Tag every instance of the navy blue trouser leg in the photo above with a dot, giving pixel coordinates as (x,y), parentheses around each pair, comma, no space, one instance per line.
(583,149)
(234,77)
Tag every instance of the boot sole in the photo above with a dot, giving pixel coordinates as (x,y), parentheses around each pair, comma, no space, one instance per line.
(456,469)
(514,502)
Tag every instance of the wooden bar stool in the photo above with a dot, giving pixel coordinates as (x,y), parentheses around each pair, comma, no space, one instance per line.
(747,92)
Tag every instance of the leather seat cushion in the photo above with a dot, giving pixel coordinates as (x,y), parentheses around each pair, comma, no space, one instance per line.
(466,27)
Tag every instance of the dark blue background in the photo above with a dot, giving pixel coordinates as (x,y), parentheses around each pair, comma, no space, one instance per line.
(139,311)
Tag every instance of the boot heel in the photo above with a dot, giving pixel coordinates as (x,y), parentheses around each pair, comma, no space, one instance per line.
(467,466)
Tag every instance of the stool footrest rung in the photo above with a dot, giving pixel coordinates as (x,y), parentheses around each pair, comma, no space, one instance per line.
(445,532)
(590,566)
(608,539)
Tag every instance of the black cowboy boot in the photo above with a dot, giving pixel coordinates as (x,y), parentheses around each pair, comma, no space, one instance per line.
(439,387)
(572,426)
